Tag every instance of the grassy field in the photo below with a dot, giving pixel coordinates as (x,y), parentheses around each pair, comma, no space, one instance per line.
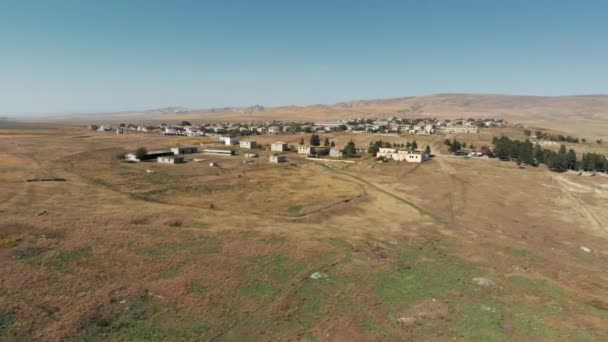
(452,249)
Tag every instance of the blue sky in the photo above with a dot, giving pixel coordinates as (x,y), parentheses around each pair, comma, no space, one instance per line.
(95,56)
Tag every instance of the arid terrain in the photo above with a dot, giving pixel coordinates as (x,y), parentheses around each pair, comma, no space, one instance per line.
(582,115)
(450,249)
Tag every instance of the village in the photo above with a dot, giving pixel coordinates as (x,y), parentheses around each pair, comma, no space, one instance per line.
(233,139)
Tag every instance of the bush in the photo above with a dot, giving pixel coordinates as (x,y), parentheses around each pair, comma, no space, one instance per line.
(141,153)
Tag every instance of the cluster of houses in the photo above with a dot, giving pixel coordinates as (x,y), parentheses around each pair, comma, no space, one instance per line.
(392,125)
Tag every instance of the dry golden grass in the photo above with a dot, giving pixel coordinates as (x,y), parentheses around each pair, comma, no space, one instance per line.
(123,254)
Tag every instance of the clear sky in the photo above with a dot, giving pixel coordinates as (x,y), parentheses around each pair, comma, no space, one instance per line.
(94,56)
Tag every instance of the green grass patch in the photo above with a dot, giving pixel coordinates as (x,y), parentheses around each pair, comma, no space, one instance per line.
(529,322)
(581,335)
(64,260)
(197,288)
(6,321)
(261,291)
(479,322)
(539,286)
(294,209)
(423,273)
(143,319)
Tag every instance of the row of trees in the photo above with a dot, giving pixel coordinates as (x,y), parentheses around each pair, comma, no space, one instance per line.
(456,146)
(530,154)
(553,137)
(315,140)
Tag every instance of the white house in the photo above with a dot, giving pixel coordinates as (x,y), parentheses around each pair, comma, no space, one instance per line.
(402,155)
(278,146)
(248,144)
(336,152)
(229,140)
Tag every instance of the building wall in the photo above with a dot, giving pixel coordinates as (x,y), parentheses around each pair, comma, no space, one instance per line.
(278,147)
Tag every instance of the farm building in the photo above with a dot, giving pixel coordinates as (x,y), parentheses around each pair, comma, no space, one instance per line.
(219,152)
(170,159)
(149,155)
(278,146)
(336,152)
(306,150)
(184,150)
(278,159)
(248,144)
(229,140)
(401,155)
(461,127)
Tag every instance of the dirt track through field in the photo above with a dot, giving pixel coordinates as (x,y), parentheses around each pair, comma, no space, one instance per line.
(418,208)
(579,206)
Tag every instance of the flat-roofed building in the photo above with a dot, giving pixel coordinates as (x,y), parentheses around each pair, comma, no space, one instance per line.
(278,146)
(184,150)
(306,150)
(229,140)
(219,152)
(336,152)
(248,144)
(278,159)
(461,127)
(170,159)
(402,155)
(148,156)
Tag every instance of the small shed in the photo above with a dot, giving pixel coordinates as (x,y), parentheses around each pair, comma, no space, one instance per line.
(278,159)
(170,159)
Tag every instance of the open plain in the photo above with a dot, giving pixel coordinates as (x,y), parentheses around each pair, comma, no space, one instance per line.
(454,248)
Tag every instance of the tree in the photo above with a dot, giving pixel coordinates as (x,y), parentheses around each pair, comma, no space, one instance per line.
(447,142)
(455,146)
(326,142)
(350,150)
(599,141)
(186,123)
(427,149)
(373,149)
(527,132)
(464,145)
(571,160)
(333,144)
(414,145)
(141,153)
(301,141)
(315,140)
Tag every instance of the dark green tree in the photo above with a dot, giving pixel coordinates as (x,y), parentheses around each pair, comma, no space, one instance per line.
(350,149)
(315,140)
(141,153)
(373,149)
